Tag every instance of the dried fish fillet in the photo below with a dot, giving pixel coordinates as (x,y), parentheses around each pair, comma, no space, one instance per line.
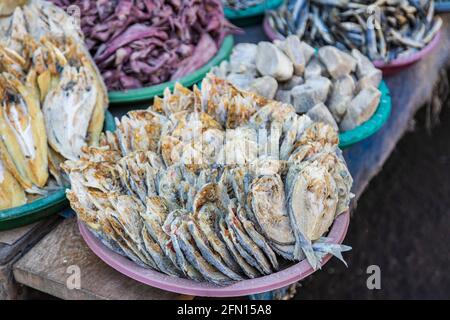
(52,96)
(11,193)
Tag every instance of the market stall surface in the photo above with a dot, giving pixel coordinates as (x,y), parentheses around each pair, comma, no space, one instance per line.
(409,246)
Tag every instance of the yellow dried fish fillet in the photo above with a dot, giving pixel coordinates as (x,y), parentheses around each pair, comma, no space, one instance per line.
(11,193)
(23,131)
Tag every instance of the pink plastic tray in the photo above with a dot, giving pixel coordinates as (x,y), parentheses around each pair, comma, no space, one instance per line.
(183,286)
(387,68)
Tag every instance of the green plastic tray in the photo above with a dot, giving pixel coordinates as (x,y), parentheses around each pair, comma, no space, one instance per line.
(252,11)
(371,126)
(44,207)
(146,94)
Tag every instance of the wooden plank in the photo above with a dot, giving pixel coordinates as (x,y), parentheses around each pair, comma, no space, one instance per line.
(16,241)
(13,244)
(46,268)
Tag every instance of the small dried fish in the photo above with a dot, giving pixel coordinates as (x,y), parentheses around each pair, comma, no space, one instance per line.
(380,29)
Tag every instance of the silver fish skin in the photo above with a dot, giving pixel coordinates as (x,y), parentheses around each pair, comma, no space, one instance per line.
(247,268)
(206,219)
(259,240)
(163,263)
(208,253)
(187,245)
(246,242)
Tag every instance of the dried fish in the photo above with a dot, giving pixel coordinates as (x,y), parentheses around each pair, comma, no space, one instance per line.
(214,221)
(382,30)
(11,192)
(52,97)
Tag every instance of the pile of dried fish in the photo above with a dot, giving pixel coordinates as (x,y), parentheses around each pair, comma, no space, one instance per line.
(137,43)
(333,86)
(241,4)
(213,185)
(52,102)
(380,29)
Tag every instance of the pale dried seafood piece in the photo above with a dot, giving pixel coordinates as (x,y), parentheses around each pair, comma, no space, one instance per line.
(332,77)
(320,113)
(271,61)
(265,86)
(361,108)
(338,63)
(292,48)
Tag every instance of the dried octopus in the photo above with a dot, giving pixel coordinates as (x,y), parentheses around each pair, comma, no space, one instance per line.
(192,188)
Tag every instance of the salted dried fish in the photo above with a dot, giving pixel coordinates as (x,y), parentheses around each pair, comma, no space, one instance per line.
(382,30)
(208,253)
(11,192)
(245,241)
(53,98)
(187,245)
(217,220)
(237,251)
(24,142)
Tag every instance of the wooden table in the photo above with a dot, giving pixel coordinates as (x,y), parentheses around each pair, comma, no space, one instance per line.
(13,245)
(45,267)
(49,267)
